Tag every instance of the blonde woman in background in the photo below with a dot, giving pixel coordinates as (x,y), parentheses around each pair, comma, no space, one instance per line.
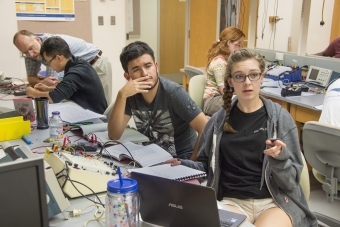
(230,39)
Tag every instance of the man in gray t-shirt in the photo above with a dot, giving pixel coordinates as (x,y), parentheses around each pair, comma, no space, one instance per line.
(162,110)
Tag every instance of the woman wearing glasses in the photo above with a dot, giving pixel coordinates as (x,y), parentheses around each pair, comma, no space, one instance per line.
(251,173)
(231,39)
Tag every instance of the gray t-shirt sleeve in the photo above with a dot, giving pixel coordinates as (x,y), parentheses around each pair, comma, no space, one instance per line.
(128,108)
(183,105)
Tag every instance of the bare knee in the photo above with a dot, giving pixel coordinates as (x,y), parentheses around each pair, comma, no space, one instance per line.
(273,217)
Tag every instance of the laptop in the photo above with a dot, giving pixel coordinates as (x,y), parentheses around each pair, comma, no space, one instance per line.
(173,203)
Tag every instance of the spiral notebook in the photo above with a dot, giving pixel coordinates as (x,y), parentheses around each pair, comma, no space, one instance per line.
(179,173)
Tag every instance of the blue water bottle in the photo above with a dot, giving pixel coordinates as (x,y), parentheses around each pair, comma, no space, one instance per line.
(122,203)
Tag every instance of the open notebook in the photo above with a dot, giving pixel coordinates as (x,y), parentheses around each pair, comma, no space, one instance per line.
(180,172)
(100,130)
(149,155)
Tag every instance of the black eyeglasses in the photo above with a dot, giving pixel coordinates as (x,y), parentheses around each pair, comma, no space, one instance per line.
(49,62)
(239,78)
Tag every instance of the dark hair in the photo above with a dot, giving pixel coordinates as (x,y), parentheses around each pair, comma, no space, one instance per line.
(55,46)
(134,50)
(237,56)
(22,32)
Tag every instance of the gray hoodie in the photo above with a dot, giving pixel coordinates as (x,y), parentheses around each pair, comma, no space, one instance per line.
(281,174)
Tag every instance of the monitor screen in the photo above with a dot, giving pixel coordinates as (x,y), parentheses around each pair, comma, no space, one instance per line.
(313,74)
(23,193)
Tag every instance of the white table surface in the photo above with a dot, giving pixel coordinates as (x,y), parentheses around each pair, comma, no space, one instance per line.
(37,136)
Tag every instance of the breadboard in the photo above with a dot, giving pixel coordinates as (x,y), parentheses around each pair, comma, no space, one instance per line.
(89,171)
(88,163)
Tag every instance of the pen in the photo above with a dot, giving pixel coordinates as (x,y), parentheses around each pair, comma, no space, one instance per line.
(26,139)
(81,123)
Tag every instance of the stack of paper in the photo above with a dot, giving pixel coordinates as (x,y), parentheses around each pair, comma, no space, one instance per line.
(72,113)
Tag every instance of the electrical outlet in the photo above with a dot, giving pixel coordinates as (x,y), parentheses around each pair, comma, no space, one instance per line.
(100,20)
(113,20)
(279,56)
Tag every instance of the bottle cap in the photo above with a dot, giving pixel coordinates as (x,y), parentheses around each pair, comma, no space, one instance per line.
(128,185)
(55,113)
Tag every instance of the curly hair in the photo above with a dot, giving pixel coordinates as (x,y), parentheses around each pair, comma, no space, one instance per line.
(237,56)
(219,47)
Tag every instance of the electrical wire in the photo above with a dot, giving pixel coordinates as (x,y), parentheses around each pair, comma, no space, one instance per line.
(271,34)
(322,22)
(116,142)
(98,215)
(277,6)
(264,18)
(73,181)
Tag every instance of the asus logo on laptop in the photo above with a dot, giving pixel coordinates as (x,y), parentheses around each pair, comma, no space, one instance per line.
(175,206)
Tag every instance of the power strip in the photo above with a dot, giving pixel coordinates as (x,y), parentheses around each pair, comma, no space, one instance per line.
(87,170)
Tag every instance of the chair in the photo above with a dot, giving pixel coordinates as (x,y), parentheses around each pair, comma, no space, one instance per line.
(108,112)
(321,145)
(196,89)
(190,72)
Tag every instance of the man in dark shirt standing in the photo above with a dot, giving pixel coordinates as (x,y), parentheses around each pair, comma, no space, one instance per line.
(81,83)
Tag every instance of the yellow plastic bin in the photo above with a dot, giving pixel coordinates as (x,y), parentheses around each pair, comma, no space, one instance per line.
(14,128)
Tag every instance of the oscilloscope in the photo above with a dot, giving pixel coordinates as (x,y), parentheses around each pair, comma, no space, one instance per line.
(319,76)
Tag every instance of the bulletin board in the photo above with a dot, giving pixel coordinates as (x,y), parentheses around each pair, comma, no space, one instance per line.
(80,28)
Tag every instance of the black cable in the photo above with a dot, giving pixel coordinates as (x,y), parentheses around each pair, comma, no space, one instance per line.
(71,181)
(322,22)
(264,18)
(20,80)
(116,142)
(95,194)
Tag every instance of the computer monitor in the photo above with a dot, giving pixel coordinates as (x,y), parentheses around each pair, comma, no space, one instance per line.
(23,193)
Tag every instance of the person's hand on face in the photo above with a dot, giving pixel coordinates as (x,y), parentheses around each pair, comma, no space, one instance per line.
(275,148)
(50,81)
(139,85)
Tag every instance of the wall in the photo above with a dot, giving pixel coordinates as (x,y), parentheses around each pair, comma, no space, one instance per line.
(318,36)
(149,25)
(110,38)
(290,11)
(10,56)
(279,40)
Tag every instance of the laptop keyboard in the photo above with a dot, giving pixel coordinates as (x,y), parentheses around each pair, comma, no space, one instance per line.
(226,223)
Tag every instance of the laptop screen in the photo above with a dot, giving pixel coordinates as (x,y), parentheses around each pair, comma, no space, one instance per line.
(172,203)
